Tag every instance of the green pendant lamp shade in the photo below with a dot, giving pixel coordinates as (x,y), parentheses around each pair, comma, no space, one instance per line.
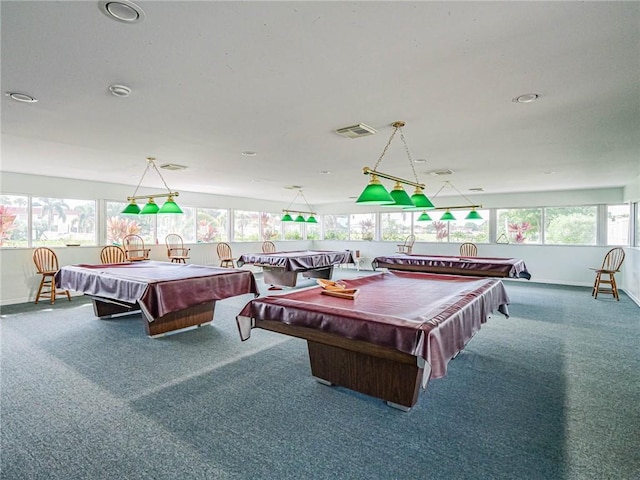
(299,219)
(420,200)
(151,208)
(400,198)
(131,209)
(473,215)
(286,218)
(170,206)
(375,193)
(447,216)
(424,217)
(312,219)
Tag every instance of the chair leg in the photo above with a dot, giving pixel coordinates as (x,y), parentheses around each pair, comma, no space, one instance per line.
(40,289)
(614,287)
(596,285)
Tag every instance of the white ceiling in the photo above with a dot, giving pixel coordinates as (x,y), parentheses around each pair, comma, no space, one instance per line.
(212,79)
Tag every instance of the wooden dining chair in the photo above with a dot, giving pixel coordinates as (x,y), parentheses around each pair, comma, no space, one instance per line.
(407,246)
(224,254)
(468,249)
(112,254)
(176,251)
(610,266)
(46,262)
(134,248)
(268,247)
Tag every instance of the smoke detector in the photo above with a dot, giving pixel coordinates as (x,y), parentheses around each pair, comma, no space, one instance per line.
(355,131)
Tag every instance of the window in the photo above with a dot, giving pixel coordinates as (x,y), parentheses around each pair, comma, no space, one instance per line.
(396,225)
(246,226)
(211,225)
(462,230)
(293,230)
(60,221)
(336,227)
(14,221)
(118,225)
(362,226)
(617,224)
(521,225)
(271,226)
(183,224)
(570,225)
(313,230)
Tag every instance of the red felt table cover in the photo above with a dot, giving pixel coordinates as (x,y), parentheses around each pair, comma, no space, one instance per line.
(505,267)
(428,315)
(161,287)
(298,261)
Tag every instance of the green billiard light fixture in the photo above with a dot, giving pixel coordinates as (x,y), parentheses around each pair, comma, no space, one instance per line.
(424,217)
(447,216)
(376,194)
(300,218)
(151,208)
(473,215)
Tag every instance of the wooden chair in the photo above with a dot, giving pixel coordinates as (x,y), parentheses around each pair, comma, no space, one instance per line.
(176,251)
(112,254)
(610,266)
(407,246)
(47,265)
(468,250)
(268,247)
(134,248)
(225,255)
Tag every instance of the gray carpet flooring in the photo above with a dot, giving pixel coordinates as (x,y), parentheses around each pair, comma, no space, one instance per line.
(550,393)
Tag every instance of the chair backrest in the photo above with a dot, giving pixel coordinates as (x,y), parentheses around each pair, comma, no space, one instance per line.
(45,259)
(134,247)
(613,259)
(268,247)
(409,241)
(468,250)
(173,240)
(224,250)
(112,254)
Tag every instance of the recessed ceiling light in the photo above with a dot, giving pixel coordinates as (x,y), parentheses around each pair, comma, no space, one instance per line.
(420,160)
(527,98)
(476,189)
(21,97)
(123,11)
(293,187)
(173,166)
(325,172)
(445,171)
(120,90)
(248,153)
(549,172)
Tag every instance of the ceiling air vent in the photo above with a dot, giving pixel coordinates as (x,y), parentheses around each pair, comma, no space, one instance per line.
(173,166)
(355,131)
(439,173)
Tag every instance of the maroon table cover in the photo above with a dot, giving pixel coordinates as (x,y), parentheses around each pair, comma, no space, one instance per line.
(478,266)
(427,315)
(160,287)
(298,261)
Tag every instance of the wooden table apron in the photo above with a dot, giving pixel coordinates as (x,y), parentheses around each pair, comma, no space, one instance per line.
(170,296)
(340,352)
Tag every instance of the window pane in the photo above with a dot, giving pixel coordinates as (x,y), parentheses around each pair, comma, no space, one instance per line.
(362,226)
(14,216)
(618,224)
(571,225)
(336,227)
(183,224)
(521,225)
(271,226)
(118,225)
(246,226)
(293,230)
(212,225)
(396,225)
(60,221)
(313,230)
(475,231)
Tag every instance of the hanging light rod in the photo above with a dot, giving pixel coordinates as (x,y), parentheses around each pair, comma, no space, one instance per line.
(170,206)
(458,207)
(369,171)
(300,219)
(288,210)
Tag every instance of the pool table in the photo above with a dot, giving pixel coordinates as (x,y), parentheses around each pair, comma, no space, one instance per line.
(171,296)
(399,331)
(455,265)
(282,268)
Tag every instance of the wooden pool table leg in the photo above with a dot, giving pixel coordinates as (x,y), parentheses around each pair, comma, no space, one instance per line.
(395,380)
(194,316)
